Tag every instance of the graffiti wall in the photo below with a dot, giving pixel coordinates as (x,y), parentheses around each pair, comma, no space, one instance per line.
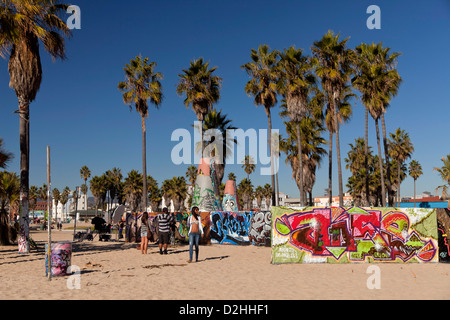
(261,228)
(443,220)
(344,235)
(241,228)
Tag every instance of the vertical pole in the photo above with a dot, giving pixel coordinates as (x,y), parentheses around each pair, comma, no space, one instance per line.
(49,218)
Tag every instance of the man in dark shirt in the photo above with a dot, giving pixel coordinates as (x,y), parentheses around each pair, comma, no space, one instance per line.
(164,220)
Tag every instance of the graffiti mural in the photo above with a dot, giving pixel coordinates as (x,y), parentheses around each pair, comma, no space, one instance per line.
(443,220)
(321,235)
(231,227)
(261,228)
(61,257)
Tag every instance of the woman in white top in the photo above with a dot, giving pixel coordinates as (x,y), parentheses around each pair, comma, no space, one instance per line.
(195,232)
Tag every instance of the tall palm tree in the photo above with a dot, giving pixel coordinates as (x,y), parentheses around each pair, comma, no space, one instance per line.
(5,156)
(142,84)
(85,175)
(415,171)
(23,25)
(400,148)
(296,83)
(334,68)
(218,123)
(264,76)
(248,165)
(444,172)
(56,198)
(201,88)
(231,176)
(97,189)
(65,196)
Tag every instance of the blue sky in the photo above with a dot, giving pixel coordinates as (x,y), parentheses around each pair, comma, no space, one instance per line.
(79,111)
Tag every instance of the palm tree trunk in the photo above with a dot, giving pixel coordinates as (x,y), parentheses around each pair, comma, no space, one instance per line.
(398,189)
(330,169)
(144,166)
(414,193)
(24,132)
(85,196)
(366,156)
(380,163)
(278,185)
(300,161)
(388,166)
(269,118)
(338,153)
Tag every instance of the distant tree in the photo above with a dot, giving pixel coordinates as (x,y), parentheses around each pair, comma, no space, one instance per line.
(415,171)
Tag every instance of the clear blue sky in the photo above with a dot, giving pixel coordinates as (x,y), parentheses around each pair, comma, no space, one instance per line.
(79,111)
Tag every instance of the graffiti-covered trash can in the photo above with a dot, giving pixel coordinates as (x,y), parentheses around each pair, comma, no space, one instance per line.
(61,257)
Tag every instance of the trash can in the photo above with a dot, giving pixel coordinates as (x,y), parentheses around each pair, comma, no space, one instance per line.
(61,258)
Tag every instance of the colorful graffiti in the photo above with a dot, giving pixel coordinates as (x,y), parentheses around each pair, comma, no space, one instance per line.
(61,257)
(353,235)
(231,227)
(443,220)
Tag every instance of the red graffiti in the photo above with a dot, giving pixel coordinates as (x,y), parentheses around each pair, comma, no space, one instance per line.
(359,232)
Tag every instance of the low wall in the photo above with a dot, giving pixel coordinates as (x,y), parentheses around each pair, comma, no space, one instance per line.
(443,221)
(347,235)
(241,228)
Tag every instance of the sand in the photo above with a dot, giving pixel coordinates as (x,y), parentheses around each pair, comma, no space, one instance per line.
(117,270)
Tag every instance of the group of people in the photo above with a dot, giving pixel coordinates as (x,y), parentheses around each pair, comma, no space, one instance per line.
(165,220)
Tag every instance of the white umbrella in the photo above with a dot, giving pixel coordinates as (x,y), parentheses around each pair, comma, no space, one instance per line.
(118,213)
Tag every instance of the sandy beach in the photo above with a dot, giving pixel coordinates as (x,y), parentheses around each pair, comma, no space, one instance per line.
(117,270)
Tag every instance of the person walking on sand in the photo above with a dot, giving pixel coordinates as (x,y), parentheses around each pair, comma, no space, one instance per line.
(164,220)
(195,233)
(144,233)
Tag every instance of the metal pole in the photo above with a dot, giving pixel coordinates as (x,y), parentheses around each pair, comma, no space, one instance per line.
(49,218)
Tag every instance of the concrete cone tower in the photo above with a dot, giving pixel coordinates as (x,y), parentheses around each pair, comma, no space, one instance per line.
(206,189)
(230,198)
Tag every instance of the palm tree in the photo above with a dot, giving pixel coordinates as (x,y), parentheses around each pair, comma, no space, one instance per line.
(201,88)
(114,178)
(268,195)
(97,189)
(264,76)
(9,193)
(296,83)
(85,174)
(5,156)
(400,148)
(444,172)
(248,165)
(415,171)
(311,128)
(23,24)
(57,198)
(133,189)
(259,195)
(33,196)
(65,196)
(334,70)
(141,84)
(245,192)
(218,124)
(175,189)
